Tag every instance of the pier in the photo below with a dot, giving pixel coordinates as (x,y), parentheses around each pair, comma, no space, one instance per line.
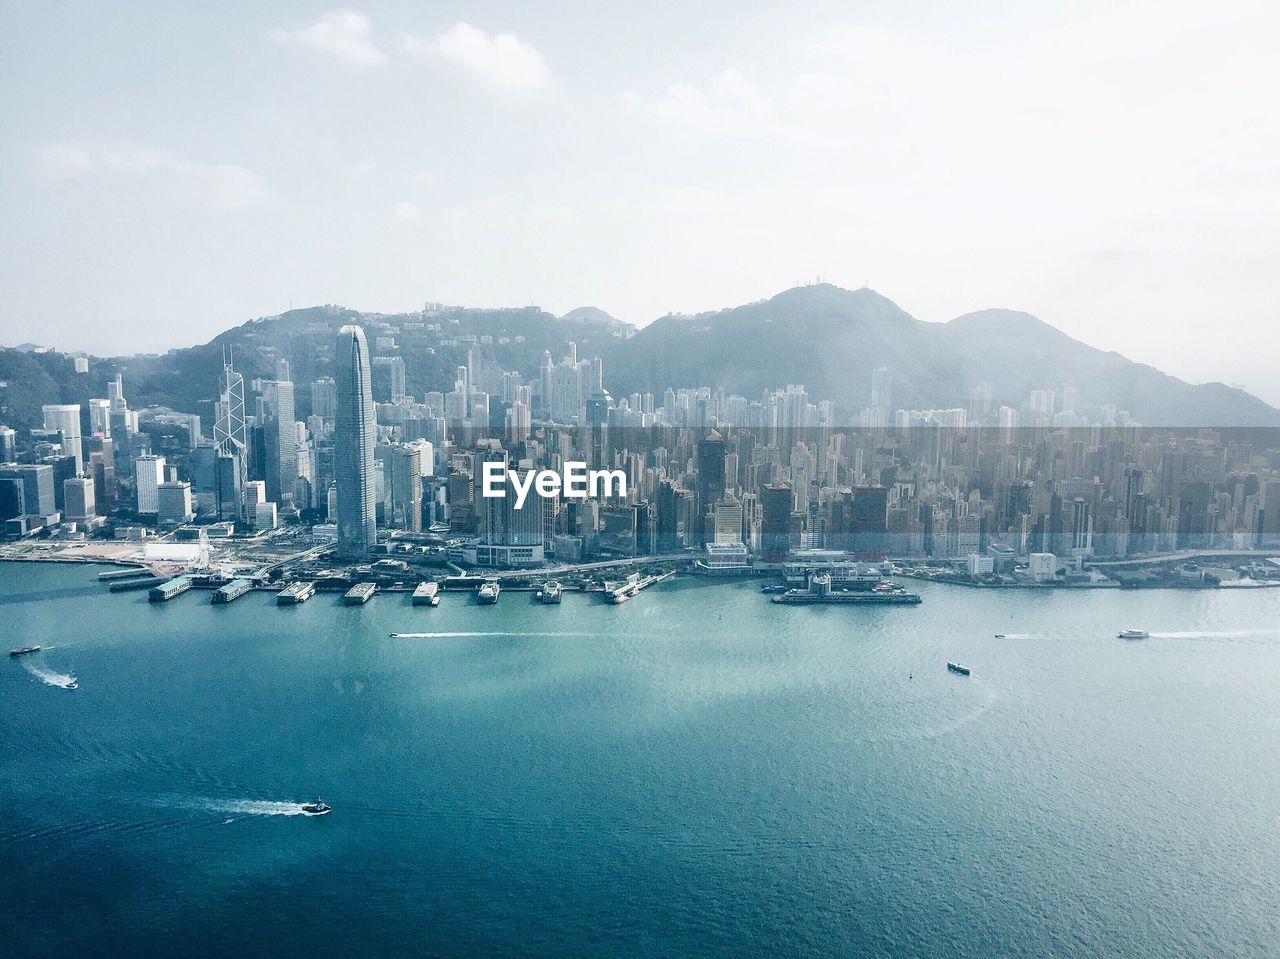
(618,595)
(295,593)
(359,594)
(169,589)
(427,594)
(231,592)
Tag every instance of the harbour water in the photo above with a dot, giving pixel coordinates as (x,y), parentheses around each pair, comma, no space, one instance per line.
(696,772)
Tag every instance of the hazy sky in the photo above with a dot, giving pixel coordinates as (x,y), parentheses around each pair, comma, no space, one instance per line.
(168,170)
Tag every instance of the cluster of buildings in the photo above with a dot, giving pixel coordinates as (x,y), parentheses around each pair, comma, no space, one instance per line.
(736,480)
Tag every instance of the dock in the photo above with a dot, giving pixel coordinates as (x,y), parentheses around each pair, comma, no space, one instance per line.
(618,595)
(169,589)
(232,591)
(359,594)
(133,572)
(427,594)
(295,593)
(141,582)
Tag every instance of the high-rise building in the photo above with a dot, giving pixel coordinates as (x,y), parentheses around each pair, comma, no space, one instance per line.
(37,487)
(388,382)
(353,438)
(78,497)
(777,503)
(65,417)
(148,474)
(173,503)
(881,389)
(324,398)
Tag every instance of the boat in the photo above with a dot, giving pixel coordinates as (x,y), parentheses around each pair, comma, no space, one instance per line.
(488,594)
(1133,634)
(550,593)
(1000,636)
(24,650)
(957,668)
(71,685)
(316,808)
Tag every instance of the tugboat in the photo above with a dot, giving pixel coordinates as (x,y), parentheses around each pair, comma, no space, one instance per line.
(316,808)
(957,668)
(1133,634)
(24,650)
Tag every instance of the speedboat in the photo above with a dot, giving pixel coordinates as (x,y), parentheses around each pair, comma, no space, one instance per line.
(1000,636)
(1133,634)
(24,650)
(316,808)
(957,668)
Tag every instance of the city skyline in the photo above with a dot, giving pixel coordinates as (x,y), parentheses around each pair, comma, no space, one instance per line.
(696,164)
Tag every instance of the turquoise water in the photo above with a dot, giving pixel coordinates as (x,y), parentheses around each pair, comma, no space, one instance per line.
(697,772)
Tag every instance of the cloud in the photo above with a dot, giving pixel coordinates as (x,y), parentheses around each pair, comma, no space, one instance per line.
(406,212)
(501,60)
(728,106)
(344,34)
(224,186)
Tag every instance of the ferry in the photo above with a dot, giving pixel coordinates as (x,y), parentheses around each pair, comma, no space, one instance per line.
(426,594)
(316,808)
(488,594)
(1133,634)
(24,650)
(550,593)
(957,668)
(359,594)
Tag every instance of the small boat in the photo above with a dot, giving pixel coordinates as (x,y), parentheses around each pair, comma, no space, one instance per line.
(957,668)
(316,808)
(1000,636)
(24,650)
(1133,634)
(72,685)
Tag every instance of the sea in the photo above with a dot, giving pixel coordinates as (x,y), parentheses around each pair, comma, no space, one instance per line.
(698,772)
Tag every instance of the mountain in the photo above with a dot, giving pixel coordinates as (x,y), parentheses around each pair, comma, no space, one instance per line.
(592,314)
(824,337)
(831,339)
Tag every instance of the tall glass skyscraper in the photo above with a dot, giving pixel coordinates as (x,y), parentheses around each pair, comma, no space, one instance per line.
(353,437)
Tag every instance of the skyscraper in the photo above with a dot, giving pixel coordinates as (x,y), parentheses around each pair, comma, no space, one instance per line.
(65,417)
(353,436)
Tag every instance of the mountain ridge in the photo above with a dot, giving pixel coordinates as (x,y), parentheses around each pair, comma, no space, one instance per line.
(828,338)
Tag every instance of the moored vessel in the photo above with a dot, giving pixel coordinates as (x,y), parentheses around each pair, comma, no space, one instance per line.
(488,593)
(550,593)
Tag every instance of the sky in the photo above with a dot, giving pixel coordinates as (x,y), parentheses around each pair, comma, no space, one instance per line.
(169,170)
